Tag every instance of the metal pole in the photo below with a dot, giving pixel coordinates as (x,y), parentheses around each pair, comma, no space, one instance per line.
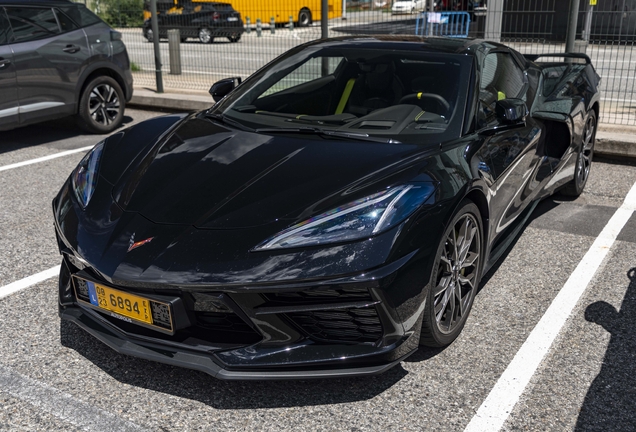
(429,24)
(494,17)
(155,42)
(324,19)
(572,21)
(588,22)
(344,10)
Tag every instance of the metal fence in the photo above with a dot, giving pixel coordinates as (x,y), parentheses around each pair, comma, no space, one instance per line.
(606,32)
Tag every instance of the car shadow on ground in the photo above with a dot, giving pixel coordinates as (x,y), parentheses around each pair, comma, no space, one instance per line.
(610,403)
(47,132)
(198,386)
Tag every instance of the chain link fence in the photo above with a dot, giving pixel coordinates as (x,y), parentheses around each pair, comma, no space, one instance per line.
(215,42)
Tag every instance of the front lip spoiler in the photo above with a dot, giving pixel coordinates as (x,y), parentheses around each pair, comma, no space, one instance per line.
(204,363)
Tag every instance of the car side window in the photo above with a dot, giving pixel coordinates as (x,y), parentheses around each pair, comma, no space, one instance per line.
(80,15)
(31,23)
(66,24)
(501,78)
(4,28)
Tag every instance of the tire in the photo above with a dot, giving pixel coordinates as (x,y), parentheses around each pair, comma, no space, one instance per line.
(454,279)
(304,17)
(234,38)
(101,106)
(149,35)
(205,35)
(583,159)
(184,39)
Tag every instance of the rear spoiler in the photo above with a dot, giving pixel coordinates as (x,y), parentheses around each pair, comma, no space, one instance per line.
(534,57)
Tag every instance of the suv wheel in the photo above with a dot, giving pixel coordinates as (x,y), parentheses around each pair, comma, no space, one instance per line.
(102,105)
(205,36)
(149,35)
(234,38)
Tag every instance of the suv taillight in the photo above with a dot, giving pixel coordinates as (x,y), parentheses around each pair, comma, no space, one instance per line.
(216,16)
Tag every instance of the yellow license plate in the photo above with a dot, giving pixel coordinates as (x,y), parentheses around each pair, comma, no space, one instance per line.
(122,303)
(128,305)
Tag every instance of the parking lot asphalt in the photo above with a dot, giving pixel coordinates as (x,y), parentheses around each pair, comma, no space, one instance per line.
(54,376)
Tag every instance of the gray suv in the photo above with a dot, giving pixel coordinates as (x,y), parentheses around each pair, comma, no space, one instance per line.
(57,59)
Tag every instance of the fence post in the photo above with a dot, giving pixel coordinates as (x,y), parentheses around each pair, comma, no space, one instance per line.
(259,28)
(272,25)
(174,51)
(247,25)
(431,10)
(494,16)
(572,21)
(155,42)
(324,19)
(291,23)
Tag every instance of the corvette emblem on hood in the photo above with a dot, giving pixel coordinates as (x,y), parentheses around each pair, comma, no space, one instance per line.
(132,245)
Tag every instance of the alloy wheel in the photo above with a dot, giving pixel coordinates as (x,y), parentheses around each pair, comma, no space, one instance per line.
(103,104)
(205,36)
(457,274)
(587,151)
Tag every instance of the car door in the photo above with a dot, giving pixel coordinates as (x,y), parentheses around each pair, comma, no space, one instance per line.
(50,53)
(512,153)
(8,89)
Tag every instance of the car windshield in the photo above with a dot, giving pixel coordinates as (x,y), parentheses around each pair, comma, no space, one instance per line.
(406,95)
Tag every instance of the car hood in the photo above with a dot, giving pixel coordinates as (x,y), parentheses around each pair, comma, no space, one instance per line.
(210,176)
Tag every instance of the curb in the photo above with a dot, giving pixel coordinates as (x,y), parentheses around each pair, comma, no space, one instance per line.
(613,141)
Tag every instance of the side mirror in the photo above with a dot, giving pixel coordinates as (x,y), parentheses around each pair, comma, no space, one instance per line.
(511,111)
(221,88)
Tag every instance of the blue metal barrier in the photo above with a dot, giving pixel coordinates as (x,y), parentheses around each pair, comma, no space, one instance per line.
(449,24)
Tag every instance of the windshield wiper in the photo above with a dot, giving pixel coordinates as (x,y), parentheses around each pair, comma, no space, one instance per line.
(329,134)
(223,119)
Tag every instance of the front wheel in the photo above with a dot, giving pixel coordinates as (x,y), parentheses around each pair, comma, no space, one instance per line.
(304,17)
(454,279)
(583,159)
(205,36)
(101,106)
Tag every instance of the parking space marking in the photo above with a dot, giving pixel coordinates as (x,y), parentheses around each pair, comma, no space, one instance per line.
(496,408)
(61,405)
(28,281)
(45,158)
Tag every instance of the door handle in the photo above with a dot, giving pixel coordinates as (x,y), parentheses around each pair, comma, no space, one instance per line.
(71,49)
(4,62)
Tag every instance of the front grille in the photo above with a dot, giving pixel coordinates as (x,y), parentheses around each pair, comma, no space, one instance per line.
(348,325)
(226,322)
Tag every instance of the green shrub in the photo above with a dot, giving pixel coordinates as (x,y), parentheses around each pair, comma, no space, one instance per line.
(122,13)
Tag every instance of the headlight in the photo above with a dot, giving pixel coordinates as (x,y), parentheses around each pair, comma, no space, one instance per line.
(85,175)
(359,219)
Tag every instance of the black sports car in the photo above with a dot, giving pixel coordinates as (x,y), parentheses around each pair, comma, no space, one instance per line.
(329,214)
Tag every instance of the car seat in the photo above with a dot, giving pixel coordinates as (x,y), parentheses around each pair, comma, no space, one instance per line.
(376,87)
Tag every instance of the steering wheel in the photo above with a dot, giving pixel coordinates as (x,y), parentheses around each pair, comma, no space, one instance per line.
(415,97)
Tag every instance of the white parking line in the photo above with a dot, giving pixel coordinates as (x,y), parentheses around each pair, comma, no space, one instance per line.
(44,158)
(28,281)
(494,411)
(61,405)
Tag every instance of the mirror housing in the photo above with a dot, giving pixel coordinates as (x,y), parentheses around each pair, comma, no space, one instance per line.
(511,111)
(221,88)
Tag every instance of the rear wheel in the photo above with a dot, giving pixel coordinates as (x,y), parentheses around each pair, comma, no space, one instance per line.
(101,106)
(583,159)
(304,17)
(149,35)
(205,35)
(234,38)
(454,279)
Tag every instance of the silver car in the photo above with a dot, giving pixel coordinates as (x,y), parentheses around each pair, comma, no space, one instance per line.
(58,59)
